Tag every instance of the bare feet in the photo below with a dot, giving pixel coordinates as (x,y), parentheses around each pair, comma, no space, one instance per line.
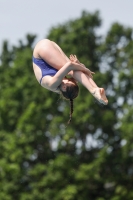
(99,94)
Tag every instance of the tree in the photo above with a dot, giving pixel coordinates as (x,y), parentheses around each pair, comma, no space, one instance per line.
(43,158)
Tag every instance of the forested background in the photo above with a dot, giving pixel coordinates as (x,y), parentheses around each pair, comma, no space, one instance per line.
(41,158)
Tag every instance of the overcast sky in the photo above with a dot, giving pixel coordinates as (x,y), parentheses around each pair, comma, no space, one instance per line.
(19,17)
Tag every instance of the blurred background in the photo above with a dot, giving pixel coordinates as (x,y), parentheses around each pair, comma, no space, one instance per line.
(41,157)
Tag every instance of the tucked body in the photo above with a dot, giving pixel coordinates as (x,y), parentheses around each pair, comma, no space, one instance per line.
(51,67)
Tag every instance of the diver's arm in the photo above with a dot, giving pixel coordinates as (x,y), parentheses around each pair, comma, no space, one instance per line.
(56,80)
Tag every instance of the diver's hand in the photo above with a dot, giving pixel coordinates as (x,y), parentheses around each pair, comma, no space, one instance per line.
(89,73)
(74,59)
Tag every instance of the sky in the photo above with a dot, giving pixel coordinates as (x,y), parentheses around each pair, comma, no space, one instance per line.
(21,17)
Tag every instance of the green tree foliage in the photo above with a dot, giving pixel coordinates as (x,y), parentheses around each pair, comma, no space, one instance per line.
(41,158)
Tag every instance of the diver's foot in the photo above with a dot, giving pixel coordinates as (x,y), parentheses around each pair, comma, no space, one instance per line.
(99,94)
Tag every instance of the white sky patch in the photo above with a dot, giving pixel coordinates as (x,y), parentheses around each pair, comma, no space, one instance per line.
(17,18)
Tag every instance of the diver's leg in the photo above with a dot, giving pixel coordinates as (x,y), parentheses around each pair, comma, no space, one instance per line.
(51,53)
(88,82)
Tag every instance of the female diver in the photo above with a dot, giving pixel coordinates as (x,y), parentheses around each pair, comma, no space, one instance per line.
(51,66)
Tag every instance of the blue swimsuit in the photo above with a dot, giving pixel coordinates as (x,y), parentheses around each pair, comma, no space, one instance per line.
(45,67)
